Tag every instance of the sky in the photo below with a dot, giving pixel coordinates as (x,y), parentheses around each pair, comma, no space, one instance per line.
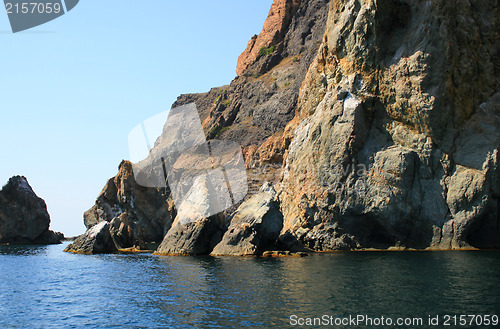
(72,89)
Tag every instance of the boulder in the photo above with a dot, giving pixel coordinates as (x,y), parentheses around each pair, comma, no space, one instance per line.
(254,227)
(193,238)
(193,233)
(97,240)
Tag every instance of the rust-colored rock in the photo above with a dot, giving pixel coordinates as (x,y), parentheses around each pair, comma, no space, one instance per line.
(273,31)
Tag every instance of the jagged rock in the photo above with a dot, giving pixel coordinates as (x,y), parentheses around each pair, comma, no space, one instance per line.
(414,165)
(275,27)
(138,215)
(23,215)
(194,238)
(254,227)
(192,233)
(385,116)
(49,237)
(254,108)
(97,240)
(258,104)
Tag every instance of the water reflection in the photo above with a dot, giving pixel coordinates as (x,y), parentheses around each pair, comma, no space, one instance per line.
(16,250)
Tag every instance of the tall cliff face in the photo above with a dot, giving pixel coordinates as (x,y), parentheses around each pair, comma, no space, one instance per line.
(254,110)
(24,218)
(377,122)
(396,134)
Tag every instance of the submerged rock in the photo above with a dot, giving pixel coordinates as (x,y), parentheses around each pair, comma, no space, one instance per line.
(24,218)
(97,240)
(254,227)
(276,254)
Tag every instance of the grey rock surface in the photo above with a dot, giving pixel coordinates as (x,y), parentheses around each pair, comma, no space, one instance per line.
(254,227)
(192,238)
(97,240)
(385,117)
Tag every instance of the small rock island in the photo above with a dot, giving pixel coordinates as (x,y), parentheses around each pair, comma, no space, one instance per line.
(24,218)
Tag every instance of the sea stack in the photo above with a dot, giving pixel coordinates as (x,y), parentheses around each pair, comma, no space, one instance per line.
(24,218)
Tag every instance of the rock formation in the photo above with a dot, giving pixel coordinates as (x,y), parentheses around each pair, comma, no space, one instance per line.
(138,216)
(376,121)
(192,233)
(254,109)
(396,134)
(23,215)
(275,26)
(255,226)
(97,240)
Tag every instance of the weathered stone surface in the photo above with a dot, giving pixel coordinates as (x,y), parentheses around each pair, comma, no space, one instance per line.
(193,238)
(255,226)
(192,233)
(97,240)
(274,29)
(137,214)
(278,253)
(386,116)
(415,164)
(259,103)
(23,215)
(252,111)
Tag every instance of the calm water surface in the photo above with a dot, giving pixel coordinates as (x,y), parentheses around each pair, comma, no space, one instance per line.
(43,287)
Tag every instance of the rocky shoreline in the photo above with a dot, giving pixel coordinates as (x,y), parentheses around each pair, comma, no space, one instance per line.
(365,125)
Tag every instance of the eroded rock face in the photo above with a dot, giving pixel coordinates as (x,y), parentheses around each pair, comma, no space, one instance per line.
(253,111)
(259,103)
(23,215)
(137,215)
(193,238)
(274,29)
(254,227)
(97,240)
(389,139)
(192,233)
(385,115)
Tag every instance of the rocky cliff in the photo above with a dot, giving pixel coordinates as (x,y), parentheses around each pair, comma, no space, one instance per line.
(23,215)
(136,217)
(376,122)
(396,134)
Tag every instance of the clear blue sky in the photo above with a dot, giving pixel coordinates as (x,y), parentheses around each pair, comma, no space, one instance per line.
(72,89)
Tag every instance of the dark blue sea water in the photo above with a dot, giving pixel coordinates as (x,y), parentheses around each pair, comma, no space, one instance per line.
(43,287)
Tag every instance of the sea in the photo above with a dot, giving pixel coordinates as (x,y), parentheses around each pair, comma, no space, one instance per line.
(44,287)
